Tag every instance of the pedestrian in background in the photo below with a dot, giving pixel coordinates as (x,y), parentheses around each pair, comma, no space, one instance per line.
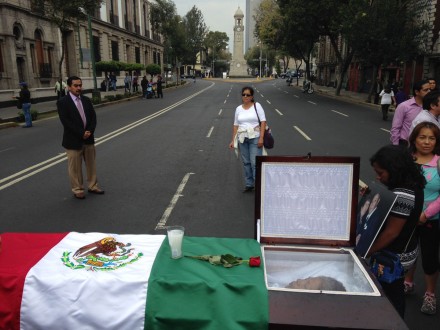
(159,87)
(424,143)
(396,169)
(60,88)
(247,134)
(406,112)
(430,112)
(24,99)
(135,83)
(433,85)
(400,96)
(386,99)
(113,81)
(127,81)
(78,117)
(144,85)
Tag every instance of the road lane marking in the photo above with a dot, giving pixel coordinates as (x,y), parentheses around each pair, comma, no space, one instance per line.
(340,113)
(35,169)
(224,102)
(386,130)
(163,221)
(268,101)
(7,149)
(302,133)
(262,96)
(220,112)
(296,96)
(279,112)
(210,132)
(312,102)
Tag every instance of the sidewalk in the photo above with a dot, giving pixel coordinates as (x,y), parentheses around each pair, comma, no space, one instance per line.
(8,115)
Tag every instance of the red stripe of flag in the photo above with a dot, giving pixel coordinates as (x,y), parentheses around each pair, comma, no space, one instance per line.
(19,253)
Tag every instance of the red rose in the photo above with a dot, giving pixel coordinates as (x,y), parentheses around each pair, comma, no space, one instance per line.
(254,262)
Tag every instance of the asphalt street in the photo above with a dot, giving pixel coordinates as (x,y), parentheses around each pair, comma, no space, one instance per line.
(167,162)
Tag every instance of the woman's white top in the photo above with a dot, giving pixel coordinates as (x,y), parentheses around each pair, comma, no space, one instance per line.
(386,97)
(247,121)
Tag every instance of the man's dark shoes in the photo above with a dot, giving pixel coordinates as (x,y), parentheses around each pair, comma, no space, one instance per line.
(79,195)
(248,189)
(97,191)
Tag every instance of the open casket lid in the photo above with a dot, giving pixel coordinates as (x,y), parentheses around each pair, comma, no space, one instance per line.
(306,200)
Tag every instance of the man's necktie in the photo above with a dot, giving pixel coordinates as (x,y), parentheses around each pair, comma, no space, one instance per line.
(81,111)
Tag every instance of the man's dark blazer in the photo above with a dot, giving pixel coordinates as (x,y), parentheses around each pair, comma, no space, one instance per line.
(73,124)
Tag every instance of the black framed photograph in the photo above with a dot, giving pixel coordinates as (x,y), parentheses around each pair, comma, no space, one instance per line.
(373,209)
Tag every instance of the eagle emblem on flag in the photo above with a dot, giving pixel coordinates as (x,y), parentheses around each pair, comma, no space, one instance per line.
(105,254)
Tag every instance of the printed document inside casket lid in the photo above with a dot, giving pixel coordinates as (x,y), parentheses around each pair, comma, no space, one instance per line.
(306,200)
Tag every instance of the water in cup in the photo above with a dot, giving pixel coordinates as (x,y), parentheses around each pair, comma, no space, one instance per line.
(175,237)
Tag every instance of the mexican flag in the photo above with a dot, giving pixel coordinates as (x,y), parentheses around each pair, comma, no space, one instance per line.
(75,280)
(109,281)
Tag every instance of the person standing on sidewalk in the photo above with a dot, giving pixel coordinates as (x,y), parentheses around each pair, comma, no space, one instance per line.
(25,99)
(406,112)
(60,88)
(78,117)
(159,87)
(386,99)
(127,81)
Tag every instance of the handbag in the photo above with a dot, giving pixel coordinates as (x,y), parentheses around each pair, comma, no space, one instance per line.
(268,140)
(386,265)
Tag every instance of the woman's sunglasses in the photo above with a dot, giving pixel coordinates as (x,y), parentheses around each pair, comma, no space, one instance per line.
(246,95)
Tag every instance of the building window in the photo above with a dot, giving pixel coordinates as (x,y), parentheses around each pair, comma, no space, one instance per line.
(34,61)
(115,51)
(2,68)
(97,48)
(154,56)
(39,51)
(137,54)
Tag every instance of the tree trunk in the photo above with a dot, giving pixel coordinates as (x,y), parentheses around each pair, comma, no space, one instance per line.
(373,80)
(60,63)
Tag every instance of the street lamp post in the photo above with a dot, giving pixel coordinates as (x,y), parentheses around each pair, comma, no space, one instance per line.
(261,54)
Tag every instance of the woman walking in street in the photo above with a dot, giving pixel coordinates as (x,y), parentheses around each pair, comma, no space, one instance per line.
(386,99)
(249,121)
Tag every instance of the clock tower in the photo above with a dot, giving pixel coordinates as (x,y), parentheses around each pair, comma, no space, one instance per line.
(238,67)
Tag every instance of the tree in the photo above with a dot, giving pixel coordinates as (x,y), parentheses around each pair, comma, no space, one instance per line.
(216,43)
(195,31)
(165,21)
(65,14)
(153,69)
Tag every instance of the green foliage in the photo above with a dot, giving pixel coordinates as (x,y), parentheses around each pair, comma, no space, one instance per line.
(153,69)
(109,66)
(196,30)
(133,67)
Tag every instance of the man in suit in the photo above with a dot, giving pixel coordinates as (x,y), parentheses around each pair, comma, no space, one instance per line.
(78,117)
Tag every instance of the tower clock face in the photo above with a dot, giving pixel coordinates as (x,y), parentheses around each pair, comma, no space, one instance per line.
(238,29)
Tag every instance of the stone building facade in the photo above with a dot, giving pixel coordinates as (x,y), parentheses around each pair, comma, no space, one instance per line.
(30,45)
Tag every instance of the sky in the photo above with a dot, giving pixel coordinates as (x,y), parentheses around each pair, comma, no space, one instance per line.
(218,14)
